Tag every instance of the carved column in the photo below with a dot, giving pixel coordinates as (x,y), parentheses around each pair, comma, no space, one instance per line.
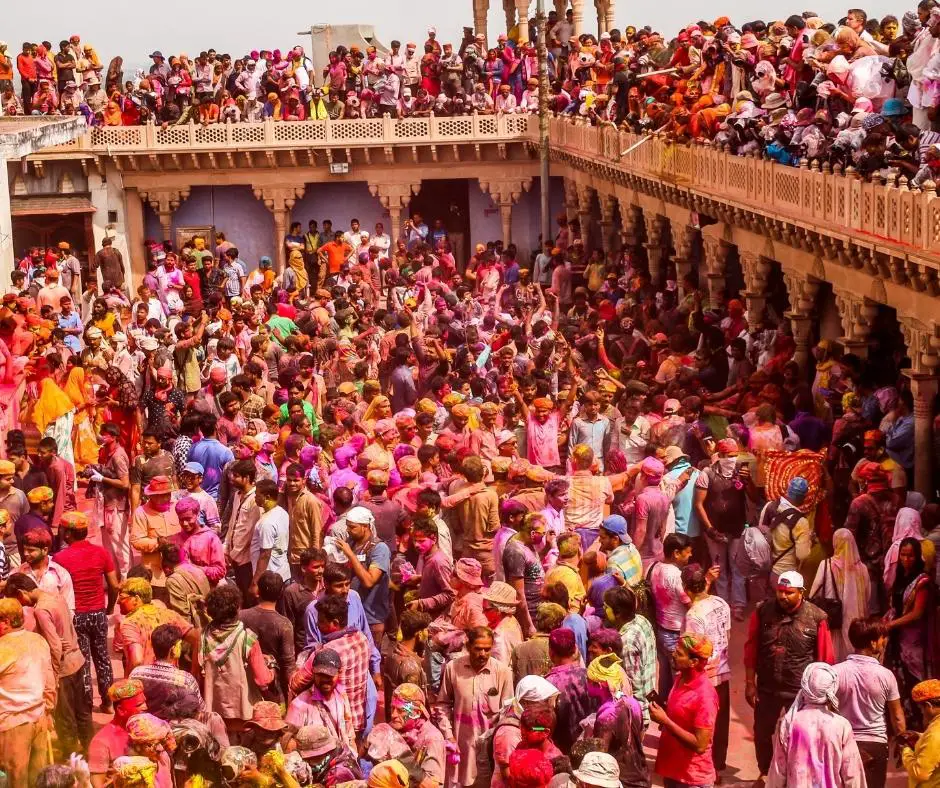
(505,194)
(756,270)
(522,11)
(480,10)
(610,22)
(683,240)
(632,220)
(802,291)
(608,206)
(656,246)
(855,315)
(922,348)
(164,203)
(585,203)
(394,198)
(280,201)
(134,224)
(716,264)
(577,16)
(509,8)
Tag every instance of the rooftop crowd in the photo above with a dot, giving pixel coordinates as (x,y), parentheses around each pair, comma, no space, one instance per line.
(387,519)
(858,93)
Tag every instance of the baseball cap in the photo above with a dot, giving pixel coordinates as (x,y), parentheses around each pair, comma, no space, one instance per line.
(194,467)
(326,663)
(790,580)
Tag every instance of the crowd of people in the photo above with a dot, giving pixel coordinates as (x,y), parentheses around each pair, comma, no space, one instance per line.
(387,518)
(859,93)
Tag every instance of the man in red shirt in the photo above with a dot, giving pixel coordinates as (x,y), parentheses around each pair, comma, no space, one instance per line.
(89,565)
(27,68)
(334,253)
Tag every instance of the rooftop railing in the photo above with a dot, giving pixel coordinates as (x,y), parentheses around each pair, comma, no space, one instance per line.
(269,134)
(831,203)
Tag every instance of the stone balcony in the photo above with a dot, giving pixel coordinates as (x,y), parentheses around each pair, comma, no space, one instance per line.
(386,141)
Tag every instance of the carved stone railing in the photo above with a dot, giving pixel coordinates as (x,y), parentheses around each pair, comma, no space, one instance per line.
(827,203)
(302,134)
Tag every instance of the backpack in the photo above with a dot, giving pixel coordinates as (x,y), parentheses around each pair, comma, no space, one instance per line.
(485,758)
(757,553)
(645,601)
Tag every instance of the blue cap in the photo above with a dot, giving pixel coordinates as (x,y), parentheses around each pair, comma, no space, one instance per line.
(797,489)
(615,524)
(893,107)
(194,467)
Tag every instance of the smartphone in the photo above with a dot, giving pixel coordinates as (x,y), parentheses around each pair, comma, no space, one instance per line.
(653,697)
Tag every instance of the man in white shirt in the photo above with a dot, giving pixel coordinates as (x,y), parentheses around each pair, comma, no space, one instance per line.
(672,602)
(634,432)
(354,237)
(381,241)
(868,692)
(269,541)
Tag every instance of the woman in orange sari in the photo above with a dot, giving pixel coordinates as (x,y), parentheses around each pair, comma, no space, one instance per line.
(84,440)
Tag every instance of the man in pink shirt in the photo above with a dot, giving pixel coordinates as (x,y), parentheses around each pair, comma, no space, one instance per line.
(202,546)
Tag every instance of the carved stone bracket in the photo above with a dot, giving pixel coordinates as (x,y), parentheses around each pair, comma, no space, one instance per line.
(716,264)
(280,200)
(164,203)
(505,194)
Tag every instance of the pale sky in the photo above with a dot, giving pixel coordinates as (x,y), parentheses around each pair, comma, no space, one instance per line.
(133,29)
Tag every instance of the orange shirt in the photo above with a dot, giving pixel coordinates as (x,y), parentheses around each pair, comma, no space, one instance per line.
(336,253)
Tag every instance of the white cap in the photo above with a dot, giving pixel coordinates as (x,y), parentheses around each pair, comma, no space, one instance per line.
(600,769)
(791,580)
(361,515)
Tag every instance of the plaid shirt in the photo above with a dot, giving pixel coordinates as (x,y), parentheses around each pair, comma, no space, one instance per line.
(639,660)
(354,651)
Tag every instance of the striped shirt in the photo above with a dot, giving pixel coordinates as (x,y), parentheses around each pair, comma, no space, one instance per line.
(639,659)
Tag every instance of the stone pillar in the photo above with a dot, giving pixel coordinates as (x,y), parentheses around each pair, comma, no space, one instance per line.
(855,315)
(505,194)
(922,346)
(585,203)
(164,203)
(577,16)
(756,269)
(716,264)
(509,8)
(571,200)
(7,249)
(522,12)
(656,247)
(480,10)
(802,291)
(632,220)
(924,388)
(280,201)
(134,222)
(608,206)
(683,241)
(394,198)
(610,22)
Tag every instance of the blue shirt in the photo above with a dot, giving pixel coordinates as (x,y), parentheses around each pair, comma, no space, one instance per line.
(375,600)
(72,341)
(357,619)
(578,625)
(213,456)
(686,519)
(899,441)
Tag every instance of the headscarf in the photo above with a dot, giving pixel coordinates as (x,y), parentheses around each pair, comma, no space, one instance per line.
(51,404)
(296,262)
(818,687)
(906,524)
(606,669)
(697,645)
(532,689)
(75,387)
(134,771)
(410,699)
(529,768)
(388,774)
(850,576)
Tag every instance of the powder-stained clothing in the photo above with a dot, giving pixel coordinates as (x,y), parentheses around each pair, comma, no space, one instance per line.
(468,705)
